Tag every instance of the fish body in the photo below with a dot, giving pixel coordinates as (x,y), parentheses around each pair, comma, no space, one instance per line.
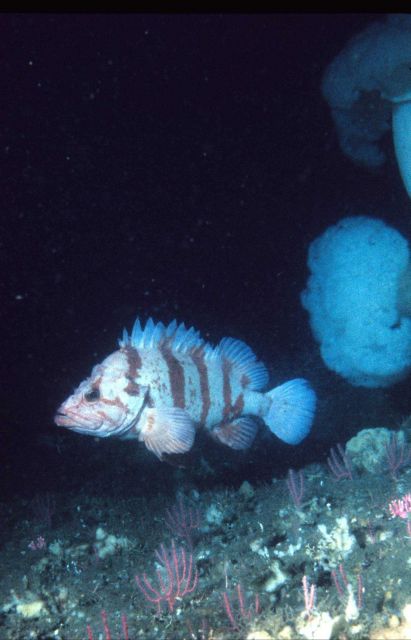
(165,382)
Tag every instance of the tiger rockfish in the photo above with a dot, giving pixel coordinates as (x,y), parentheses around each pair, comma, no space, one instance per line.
(165,382)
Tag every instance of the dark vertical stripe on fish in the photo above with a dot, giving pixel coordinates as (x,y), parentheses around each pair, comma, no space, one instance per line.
(175,375)
(134,361)
(198,359)
(226,366)
(238,406)
(134,366)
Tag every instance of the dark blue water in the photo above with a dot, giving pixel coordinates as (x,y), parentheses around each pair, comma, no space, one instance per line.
(168,166)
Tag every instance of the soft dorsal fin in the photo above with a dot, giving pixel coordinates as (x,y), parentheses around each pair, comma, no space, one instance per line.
(244,361)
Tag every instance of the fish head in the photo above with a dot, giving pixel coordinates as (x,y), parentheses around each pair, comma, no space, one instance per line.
(108,403)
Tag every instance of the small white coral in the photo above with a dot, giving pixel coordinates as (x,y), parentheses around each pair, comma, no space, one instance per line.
(318,627)
(107,544)
(335,545)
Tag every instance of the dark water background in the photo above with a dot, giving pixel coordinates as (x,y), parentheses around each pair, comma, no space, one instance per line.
(169,166)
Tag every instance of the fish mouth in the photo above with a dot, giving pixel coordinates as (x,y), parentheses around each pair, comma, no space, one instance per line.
(63,420)
(81,424)
(74,422)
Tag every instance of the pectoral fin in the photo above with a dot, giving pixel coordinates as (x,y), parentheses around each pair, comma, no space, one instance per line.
(167,431)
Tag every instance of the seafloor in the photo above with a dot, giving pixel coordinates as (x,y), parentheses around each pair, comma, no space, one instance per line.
(69,555)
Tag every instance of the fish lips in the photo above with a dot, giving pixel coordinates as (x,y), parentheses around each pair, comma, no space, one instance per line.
(77,423)
(63,420)
(70,420)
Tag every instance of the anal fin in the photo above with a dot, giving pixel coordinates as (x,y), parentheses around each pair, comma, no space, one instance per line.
(237,434)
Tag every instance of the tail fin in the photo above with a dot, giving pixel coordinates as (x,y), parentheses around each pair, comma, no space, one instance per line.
(291,411)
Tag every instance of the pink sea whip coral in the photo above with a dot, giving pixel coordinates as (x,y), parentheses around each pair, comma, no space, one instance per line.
(402,507)
(176,577)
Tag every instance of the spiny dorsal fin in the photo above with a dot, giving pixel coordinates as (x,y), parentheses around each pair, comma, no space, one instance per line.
(179,338)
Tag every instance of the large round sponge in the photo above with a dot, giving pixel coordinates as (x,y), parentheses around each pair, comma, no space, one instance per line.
(352,298)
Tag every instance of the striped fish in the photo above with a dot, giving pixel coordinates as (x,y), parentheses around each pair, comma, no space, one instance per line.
(165,382)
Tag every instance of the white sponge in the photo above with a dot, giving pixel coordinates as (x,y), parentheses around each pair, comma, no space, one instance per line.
(351,297)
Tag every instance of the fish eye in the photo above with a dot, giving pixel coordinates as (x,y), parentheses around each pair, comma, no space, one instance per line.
(92,395)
